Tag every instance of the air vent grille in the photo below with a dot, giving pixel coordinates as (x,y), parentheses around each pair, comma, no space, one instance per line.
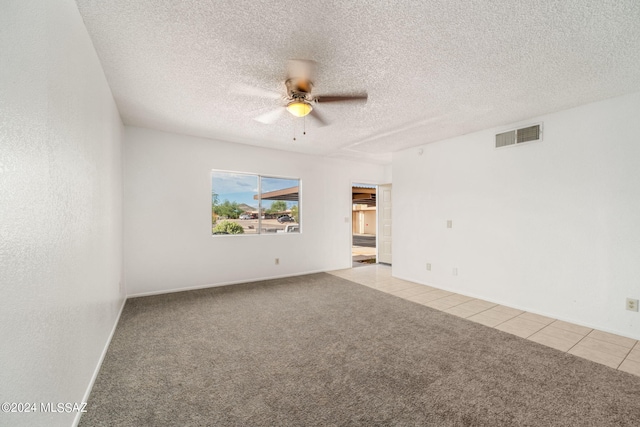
(506,138)
(518,136)
(532,133)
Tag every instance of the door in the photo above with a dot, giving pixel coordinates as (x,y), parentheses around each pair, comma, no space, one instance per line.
(384,224)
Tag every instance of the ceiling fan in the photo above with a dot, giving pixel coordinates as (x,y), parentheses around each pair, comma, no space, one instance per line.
(299,100)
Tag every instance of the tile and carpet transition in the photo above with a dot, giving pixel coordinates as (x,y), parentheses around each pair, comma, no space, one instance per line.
(321,350)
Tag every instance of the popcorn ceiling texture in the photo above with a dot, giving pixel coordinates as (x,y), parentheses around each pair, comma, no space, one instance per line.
(432,69)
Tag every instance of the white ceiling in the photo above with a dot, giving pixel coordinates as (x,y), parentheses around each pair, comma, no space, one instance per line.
(432,69)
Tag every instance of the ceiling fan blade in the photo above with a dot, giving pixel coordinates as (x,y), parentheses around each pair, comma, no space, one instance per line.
(321,121)
(270,116)
(243,89)
(341,98)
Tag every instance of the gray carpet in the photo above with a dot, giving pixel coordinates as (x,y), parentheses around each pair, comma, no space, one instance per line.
(319,350)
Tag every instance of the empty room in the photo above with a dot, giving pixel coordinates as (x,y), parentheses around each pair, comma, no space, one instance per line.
(182,184)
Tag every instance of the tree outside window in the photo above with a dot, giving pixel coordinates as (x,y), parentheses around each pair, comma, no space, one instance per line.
(252,204)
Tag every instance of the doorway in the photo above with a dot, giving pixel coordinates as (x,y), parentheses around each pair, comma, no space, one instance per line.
(364,227)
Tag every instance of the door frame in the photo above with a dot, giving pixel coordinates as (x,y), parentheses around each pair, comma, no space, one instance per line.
(354,183)
(379,225)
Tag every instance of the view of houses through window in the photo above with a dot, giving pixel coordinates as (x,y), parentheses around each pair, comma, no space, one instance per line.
(244,203)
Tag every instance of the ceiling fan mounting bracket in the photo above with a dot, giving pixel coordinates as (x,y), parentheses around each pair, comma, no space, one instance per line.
(299,89)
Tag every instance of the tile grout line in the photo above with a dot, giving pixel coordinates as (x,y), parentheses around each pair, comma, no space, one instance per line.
(505,321)
(637,344)
(486,309)
(627,355)
(530,335)
(540,323)
(543,327)
(527,337)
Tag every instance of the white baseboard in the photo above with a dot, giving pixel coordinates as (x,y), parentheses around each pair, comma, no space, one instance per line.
(215,285)
(85,398)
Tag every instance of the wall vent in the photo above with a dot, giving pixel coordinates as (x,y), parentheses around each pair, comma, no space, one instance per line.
(505,138)
(519,136)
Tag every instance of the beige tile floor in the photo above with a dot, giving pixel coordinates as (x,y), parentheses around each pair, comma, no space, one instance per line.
(608,349)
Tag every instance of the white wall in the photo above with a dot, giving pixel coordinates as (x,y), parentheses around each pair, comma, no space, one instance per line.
(550,227)
(168,241)
(388,174)
(60,209)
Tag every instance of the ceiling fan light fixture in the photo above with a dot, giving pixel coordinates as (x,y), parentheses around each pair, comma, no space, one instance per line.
(299,108)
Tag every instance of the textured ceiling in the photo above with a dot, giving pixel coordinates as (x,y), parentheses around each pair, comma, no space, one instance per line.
(432,69)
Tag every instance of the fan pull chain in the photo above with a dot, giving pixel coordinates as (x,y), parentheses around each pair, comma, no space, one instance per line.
(304,125)
(294,129)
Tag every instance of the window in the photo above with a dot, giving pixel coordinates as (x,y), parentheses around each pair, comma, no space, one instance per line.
(244,203)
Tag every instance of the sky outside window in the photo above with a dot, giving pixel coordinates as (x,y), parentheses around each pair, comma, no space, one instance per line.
(241,188)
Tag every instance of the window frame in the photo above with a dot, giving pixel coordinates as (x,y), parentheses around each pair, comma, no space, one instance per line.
(259,193)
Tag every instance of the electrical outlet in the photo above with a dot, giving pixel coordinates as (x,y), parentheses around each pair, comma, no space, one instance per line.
(428,266)
(449,223)
(455,271)
(277,261)
(632,304)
